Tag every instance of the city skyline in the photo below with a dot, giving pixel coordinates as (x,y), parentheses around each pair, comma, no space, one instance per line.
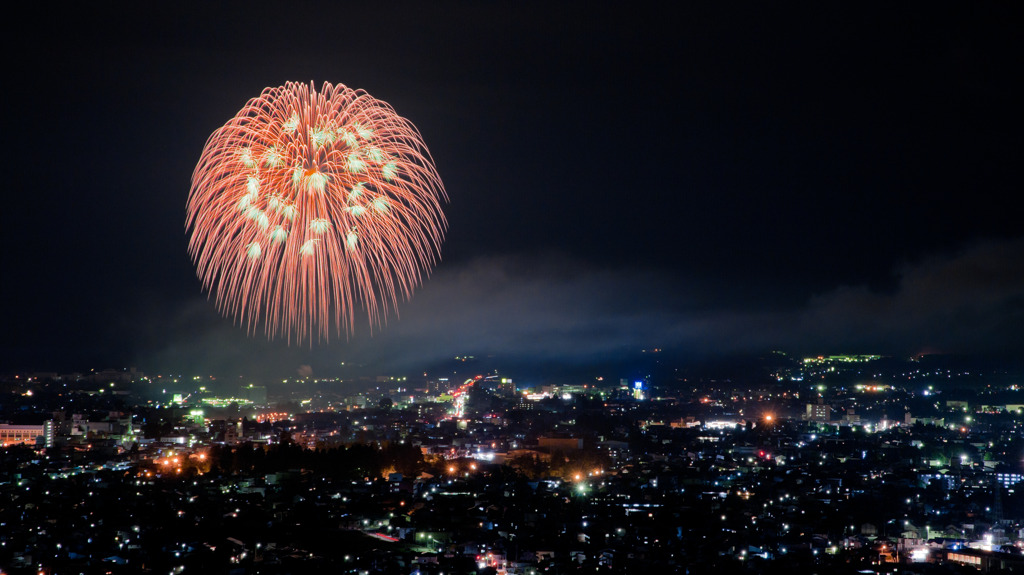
(702,180)
(841,464)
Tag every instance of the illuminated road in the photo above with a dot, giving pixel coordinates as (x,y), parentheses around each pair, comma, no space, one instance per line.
(460,395)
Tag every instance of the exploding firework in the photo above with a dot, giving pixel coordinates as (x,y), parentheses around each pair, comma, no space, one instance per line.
(310,204)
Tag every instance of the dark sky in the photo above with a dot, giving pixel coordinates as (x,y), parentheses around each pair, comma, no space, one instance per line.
(707,179)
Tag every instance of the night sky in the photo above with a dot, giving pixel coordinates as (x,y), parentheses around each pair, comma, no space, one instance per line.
(709,180)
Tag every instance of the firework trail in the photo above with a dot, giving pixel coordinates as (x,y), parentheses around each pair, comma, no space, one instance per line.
(310,204)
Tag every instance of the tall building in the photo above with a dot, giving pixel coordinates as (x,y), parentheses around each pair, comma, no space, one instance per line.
(49,433)
(639,393)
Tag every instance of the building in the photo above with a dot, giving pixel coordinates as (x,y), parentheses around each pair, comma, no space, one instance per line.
(16,434)
(820,412)
(560,443)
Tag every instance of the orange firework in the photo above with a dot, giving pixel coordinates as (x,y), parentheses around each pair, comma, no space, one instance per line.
(308,204)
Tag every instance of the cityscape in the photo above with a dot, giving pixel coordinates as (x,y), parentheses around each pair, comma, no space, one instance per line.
(837,464)
(511,288)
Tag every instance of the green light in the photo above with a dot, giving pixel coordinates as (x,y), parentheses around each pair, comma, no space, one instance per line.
(355,192)
(245,155)
(355,164)
(252,185)
(389,171)
(321,137)
(319,226)
(272,158)
(349,138)
(292,124)
(350,240)
(254,250)
(317,182)
(364,133)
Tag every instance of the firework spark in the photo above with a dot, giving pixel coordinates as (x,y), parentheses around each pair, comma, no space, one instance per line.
(310,204)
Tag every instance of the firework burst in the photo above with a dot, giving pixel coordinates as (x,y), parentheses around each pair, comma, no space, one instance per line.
(308,205)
